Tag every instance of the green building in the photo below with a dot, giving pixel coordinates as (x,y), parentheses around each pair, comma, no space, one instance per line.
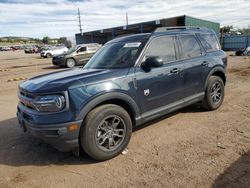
(104,35)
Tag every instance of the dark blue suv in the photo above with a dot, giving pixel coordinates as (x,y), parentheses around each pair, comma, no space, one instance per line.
(129,81)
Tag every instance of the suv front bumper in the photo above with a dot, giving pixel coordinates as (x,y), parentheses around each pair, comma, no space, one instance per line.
(58,61)
(58,135)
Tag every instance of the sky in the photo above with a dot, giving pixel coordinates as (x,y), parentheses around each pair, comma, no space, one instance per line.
(57,18)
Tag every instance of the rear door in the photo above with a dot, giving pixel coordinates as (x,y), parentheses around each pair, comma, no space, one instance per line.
(162,85)
(195,64)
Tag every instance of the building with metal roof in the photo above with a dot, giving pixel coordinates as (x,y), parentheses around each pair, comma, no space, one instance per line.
(104,35)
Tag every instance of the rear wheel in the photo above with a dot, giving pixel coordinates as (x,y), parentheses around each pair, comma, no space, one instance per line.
(70,63)
(214,95)
(106,132)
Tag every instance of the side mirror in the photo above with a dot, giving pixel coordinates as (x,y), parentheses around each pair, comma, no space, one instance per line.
(152,62)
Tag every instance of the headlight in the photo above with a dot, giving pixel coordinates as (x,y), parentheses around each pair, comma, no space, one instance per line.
(50,103)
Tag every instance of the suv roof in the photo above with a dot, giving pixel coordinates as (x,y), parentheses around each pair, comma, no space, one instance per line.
(163,31)
(88,44)
(181,28)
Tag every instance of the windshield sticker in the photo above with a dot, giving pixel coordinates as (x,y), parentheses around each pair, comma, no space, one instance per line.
(132,45)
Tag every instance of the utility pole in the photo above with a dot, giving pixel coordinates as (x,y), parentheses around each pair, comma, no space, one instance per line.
(126,19)
(80,22)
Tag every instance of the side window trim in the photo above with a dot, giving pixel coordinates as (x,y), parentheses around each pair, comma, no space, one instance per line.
(203,51)
(81,48)
(199,36)
(150,41)
(181,50)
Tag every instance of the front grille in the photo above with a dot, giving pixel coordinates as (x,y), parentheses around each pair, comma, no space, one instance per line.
(25,93)
(26,98)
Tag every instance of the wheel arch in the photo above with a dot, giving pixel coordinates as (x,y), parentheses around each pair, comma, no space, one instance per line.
(120,99)
(70,58)
(216,71)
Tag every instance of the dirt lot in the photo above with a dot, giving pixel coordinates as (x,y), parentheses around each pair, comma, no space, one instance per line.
(179,150)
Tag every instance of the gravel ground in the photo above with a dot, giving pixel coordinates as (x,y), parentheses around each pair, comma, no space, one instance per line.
(187,148)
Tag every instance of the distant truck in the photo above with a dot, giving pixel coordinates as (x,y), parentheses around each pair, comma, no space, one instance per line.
(77,55)
(53,51)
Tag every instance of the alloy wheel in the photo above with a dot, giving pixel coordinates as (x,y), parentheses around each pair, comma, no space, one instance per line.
(110,133)
(216,92)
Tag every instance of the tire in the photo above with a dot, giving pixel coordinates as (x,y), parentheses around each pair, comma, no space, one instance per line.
(48,55)
(214,94)
(70,63)
(238,52)
(98,139)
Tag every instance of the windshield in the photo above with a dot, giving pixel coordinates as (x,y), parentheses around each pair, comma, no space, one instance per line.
(72,49)
(115,56)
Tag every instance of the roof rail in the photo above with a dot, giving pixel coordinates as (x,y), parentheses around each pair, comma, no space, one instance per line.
(163,29)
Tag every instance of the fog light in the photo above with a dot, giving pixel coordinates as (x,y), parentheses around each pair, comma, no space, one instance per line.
(73,127)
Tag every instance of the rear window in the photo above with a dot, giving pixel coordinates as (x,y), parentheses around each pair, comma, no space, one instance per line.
(209,42)
(189,46)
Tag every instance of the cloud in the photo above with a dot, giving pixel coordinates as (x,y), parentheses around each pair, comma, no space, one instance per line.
(55,18)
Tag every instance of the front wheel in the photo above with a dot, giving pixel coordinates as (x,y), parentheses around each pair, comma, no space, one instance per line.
(48,55)
(214,94)
(70,63)
(106,132)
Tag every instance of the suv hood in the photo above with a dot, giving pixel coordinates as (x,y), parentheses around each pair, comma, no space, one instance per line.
(62,80)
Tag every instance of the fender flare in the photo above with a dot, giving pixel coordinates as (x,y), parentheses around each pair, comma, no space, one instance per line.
(215,69)
(105,97)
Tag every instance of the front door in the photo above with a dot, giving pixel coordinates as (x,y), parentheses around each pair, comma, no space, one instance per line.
(82,55)
(161,86)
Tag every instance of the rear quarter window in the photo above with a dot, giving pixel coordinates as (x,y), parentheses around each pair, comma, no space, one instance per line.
(209,42)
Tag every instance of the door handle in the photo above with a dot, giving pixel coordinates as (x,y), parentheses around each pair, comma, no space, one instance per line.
(175,70)
(205,63)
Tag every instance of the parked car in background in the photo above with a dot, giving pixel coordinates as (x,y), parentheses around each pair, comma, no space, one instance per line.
(5,48)
(77,55)
(129,81)
(31,49)
(53,51)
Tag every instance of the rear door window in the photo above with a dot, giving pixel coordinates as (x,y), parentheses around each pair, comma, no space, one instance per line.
(189,46)
(209,42)
(163,47)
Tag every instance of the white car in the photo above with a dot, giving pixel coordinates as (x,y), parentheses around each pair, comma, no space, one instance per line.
(53,51)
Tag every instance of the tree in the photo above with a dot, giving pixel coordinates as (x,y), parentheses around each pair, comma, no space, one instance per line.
(226,29)
(45,40)
(244,31)
(62,40)
(37,41)
(68,43)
